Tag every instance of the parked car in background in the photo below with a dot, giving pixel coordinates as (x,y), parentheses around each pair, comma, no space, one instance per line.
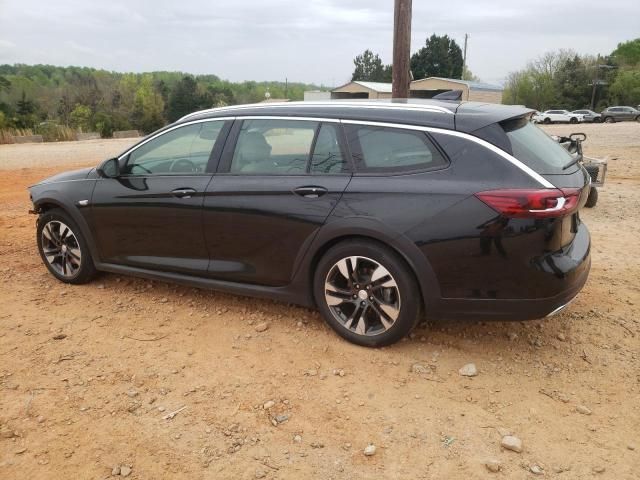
(375,213)
(620,114)
(589,116)
(558,116)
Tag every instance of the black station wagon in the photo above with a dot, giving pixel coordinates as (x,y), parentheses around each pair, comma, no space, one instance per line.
(375,213)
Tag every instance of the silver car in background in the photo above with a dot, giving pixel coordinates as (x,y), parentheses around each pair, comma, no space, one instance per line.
(589,116)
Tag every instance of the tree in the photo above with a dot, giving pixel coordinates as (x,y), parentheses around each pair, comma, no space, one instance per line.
(625,90)
(369,68)
(627,53)
(148,107)
(26,112)
(573,83)
(440,57)
(468,75)
(184,98)
(4,84)
(80,117)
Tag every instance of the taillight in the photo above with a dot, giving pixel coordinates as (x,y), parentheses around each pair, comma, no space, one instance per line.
(525,203)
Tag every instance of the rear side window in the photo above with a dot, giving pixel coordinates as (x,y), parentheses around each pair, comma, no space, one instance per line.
(273,147)
(392,150)
(533,147)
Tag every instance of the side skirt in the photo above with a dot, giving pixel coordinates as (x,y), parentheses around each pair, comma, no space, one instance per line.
(297,294)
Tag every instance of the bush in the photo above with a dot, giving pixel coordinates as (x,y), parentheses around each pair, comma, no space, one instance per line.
(52,132)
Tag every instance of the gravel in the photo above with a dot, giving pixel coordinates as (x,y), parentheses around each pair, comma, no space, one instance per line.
(370,450)
(469,370)
(512,443)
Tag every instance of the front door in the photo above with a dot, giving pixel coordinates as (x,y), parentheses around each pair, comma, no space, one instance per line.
(278,182)
(151,215)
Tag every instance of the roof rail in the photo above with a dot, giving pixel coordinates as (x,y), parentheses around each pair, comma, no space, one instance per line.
(331,103)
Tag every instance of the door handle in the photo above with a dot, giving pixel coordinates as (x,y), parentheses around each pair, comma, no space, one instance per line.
(311,191)
(183,192)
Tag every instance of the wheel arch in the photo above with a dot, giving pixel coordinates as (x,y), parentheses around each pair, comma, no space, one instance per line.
(46,202)
(347,229)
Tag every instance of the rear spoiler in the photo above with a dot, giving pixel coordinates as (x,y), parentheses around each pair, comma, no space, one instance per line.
(451,95)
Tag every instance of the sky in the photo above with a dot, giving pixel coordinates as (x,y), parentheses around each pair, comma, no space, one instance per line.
(311,41)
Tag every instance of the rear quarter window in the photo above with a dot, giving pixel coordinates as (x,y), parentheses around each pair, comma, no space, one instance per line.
(533,147)
(392,150)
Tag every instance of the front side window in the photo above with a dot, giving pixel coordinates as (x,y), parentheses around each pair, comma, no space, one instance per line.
(273,147)
(184,150)
(392,150)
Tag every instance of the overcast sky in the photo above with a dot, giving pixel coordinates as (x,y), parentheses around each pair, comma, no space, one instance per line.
(310,41)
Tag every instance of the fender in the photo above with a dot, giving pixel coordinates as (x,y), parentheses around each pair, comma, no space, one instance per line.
(336,229)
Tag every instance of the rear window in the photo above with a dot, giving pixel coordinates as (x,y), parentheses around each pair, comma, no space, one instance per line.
(533,147)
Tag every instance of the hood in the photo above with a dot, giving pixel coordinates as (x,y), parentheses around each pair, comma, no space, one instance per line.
(66,176)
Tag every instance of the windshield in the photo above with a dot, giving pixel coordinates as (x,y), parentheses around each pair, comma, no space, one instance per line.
(532,146)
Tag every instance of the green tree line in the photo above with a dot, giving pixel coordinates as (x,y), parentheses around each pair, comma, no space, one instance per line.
(564,79)
(87,99)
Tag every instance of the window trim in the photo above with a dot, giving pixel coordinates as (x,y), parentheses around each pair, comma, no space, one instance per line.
(444,131)
(345,151)
(214,156)
(429,140)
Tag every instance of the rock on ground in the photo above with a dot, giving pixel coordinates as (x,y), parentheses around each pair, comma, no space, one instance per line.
(512,443)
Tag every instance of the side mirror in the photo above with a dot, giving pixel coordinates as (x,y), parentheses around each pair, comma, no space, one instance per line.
(109,168)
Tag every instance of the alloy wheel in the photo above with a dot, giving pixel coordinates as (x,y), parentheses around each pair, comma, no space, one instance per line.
(61,248)
(362,295)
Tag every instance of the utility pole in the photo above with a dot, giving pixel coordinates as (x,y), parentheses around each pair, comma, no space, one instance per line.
(464,56)
(401,48)
(597,81)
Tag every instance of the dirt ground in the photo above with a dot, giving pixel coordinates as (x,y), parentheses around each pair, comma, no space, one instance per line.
(88,374)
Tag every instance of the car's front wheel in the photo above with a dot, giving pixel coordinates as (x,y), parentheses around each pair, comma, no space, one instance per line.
(547,121)
(367,293)
(63,249)
(609,120)
(573,120)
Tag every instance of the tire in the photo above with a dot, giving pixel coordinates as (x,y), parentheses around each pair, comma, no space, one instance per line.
(593,198)
(376,303)
(609,120)
(638,118)
(63,248)
(573,120)
(547,121)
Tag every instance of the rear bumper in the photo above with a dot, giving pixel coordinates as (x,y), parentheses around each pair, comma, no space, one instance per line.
(567,271)
(511,309)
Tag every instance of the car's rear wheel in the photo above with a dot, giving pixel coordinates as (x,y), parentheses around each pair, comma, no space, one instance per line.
(592,199)
(367,293)
(609,120)
(638,118)
(63,249)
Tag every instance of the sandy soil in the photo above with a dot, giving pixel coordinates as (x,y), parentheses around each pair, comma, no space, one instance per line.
(89,373)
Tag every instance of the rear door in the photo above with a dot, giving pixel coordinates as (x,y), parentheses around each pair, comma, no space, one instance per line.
(278,181)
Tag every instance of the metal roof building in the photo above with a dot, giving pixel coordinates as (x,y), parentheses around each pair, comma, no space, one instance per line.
(425,88)
(472,91)
(358,89)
